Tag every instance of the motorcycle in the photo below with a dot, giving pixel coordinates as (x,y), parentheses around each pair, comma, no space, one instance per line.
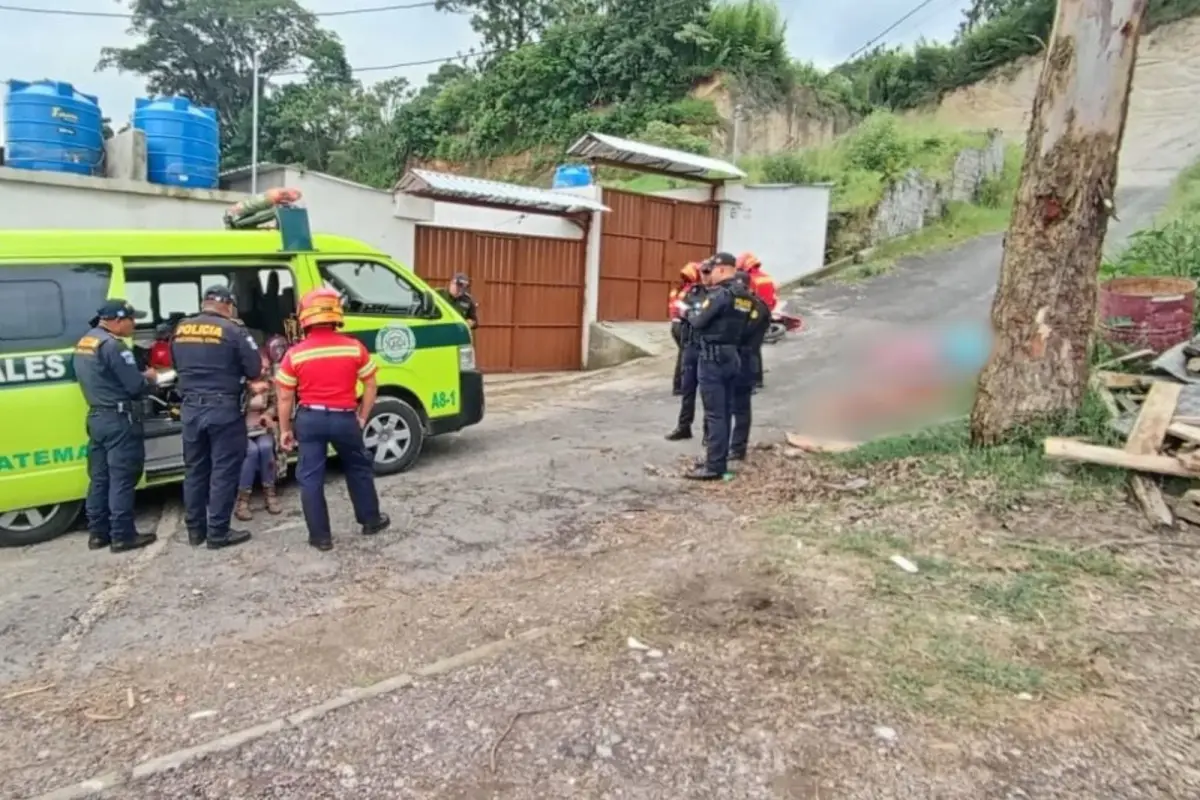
(781,325)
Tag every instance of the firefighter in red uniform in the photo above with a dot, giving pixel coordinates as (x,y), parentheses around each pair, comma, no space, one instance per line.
(689,276)
(762,285)
(321,373)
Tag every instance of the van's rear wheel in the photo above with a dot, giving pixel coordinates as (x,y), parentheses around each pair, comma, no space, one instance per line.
(27,526)
(393,435)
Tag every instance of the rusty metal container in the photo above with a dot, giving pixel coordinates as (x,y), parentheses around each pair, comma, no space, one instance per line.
(1153,313)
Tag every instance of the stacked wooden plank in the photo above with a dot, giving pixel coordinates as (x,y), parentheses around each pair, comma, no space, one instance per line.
(1159,442)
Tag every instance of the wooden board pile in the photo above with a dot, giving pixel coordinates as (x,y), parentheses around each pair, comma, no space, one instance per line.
(1159,443)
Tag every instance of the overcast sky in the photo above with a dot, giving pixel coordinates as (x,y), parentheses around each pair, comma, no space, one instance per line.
(35,46)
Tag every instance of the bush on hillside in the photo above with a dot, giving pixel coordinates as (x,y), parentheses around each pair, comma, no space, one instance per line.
(900,78)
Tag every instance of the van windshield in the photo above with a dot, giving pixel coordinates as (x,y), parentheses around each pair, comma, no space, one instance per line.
(368,287)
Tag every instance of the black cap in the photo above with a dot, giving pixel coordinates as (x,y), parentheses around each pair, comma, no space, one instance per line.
(461,279)
(115,308)
(724,260)
(706,265)
(219,294)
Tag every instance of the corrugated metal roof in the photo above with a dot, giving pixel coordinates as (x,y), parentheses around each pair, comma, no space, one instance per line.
(603,147)
(446,186)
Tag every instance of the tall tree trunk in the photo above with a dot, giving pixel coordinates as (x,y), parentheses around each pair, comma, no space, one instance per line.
(1045,307)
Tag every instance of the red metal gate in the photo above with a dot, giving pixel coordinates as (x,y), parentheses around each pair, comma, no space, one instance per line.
(644,243)
(530,293)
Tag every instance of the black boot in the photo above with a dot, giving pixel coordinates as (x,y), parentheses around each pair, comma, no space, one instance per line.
(196,538)
(680,433)
(136,542)
(737,456)
(324,545)
(381,524)
(232,538)
(704,474)
(98,541)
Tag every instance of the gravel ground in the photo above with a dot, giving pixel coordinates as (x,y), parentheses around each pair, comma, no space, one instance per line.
(717,663)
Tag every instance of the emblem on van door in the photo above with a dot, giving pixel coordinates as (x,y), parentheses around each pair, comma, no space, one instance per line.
(395,343)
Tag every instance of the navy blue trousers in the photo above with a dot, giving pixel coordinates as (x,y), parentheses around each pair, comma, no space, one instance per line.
(719,371)
(689,361)
(743,390)
(214,447)
(315,432)
(116,457)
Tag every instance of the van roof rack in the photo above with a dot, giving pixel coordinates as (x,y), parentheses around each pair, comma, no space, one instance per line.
(274,209)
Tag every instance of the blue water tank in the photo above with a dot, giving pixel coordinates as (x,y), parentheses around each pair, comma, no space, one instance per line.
(51,127)
(570,175)
(183,142)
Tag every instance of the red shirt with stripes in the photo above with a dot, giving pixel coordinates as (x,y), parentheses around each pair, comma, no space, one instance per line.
(325,368)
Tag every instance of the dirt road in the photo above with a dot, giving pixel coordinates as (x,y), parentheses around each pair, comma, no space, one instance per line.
(571,485)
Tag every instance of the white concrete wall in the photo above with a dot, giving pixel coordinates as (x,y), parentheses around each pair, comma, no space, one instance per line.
(53,200)
(784,225)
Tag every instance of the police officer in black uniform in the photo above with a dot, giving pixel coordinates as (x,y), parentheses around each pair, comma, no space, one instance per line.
(461,299)
(720,323)
(689,355)
(750,353)
(112,385)
(214,356)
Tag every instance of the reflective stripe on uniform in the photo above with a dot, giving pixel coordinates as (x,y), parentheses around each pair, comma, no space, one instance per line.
(335,351)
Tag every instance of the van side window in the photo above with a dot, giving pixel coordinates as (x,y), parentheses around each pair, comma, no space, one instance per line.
(368,287)
(48,306)
(139,294)
(183,297)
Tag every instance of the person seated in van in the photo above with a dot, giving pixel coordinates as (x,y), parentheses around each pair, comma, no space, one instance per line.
(160,351)
(260,447)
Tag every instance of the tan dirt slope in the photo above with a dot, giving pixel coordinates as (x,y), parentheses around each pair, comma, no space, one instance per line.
(1164,118)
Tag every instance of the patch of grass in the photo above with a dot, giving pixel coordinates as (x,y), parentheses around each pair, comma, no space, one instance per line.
(869,544)
(951,674)
(1016,464)
(985,617)
(1024,597)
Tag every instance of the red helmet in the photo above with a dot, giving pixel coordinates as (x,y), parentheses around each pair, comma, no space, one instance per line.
(321,307)
(748,262)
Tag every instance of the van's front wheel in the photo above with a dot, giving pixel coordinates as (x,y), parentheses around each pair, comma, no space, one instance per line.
(27,526)
(393,435)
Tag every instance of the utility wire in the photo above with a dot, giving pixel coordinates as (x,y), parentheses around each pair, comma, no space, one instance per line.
(67,12)
(400,65)
(879,36)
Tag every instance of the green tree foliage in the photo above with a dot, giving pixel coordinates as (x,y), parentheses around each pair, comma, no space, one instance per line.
(555,69)
(505,25)
(204,49)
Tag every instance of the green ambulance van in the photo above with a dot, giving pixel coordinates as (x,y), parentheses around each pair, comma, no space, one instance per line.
(52,282)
